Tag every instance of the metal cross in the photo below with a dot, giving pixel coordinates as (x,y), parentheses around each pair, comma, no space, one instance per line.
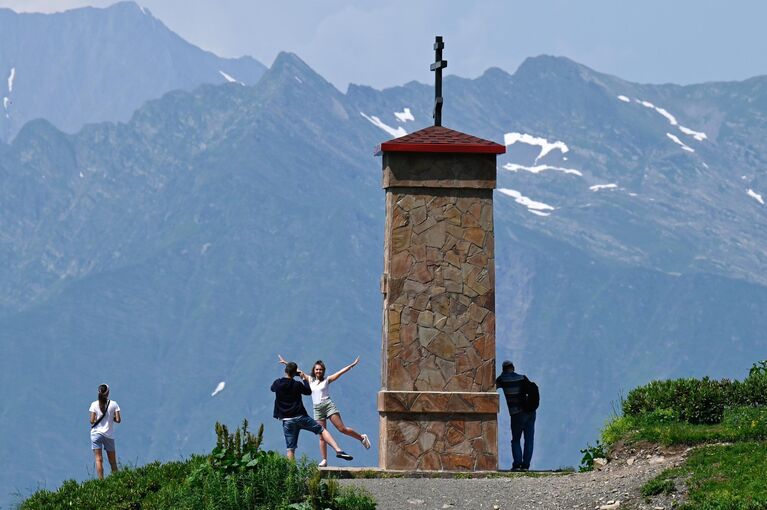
(437,67)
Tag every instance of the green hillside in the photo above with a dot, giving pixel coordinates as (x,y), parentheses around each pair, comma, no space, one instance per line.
(725,421)
(237,475)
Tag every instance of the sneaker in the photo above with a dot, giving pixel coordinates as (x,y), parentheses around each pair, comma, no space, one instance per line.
(323,463)
(343,455)
(365,441)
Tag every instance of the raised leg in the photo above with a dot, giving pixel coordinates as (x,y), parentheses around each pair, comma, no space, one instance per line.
(339,424)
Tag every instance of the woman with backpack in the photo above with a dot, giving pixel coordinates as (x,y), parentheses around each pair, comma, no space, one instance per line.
(104,413)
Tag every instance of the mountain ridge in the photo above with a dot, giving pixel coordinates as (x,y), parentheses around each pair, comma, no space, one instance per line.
(70,66)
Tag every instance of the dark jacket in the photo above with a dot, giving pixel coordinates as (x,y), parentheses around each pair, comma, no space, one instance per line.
(288,398)
(512,385)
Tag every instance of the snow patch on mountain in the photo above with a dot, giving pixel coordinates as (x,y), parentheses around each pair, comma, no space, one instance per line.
(404,116)
(670,118)
(229,78)
(543,143)
(698,135)
(6,102)
(400,131)
(298,79)
(533,206)
(677,141)
(624,99)
(10,79)
(219,388)
(513,167)
(756,196)
(598,187)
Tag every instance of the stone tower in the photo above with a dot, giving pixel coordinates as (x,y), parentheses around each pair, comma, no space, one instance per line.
(438,405)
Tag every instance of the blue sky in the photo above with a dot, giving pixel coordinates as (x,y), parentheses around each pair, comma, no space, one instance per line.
(389,43)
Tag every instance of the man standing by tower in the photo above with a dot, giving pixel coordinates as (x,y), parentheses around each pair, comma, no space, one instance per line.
(522,400)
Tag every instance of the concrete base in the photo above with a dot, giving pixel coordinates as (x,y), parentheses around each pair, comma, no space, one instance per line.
(375,472)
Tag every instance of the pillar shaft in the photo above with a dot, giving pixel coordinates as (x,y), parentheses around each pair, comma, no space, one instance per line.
(438,406)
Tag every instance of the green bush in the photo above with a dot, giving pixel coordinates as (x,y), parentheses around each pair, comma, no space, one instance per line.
(698,401)
(692,400)
(753,390)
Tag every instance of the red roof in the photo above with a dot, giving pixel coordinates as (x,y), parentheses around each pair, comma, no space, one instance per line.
(441,139)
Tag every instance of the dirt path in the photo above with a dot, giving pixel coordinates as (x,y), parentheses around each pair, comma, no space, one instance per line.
(621,481)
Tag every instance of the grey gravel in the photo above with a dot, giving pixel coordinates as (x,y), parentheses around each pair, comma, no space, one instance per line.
(618,481)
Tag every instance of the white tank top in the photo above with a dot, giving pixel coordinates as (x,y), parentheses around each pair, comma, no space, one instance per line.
(320,390)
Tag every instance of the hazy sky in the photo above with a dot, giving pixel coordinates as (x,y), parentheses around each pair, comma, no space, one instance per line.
(384,43)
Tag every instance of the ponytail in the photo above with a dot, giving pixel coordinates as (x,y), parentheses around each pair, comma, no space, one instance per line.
(103,394)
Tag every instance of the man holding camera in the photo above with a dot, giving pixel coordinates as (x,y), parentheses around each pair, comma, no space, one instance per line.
(289,408)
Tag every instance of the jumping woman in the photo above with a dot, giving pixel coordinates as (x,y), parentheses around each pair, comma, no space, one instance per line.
(104,414)
(325,409)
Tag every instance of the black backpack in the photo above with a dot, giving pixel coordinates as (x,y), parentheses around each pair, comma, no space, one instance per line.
(532,398)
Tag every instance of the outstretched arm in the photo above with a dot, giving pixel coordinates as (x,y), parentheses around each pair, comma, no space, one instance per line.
(282,360)
(343,370)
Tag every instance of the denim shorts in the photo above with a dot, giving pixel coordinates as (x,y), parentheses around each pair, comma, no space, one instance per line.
(99,441)
(291,428)
(325,410)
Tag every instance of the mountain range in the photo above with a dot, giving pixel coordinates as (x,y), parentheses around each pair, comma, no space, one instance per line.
(221,226)
(91,65)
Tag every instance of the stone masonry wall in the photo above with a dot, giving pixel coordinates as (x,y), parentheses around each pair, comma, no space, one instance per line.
(439,330)
(439,324)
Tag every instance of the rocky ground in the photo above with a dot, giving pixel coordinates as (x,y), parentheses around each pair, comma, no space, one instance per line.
(615,485)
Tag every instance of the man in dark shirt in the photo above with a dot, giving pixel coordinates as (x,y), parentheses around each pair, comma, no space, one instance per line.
(289,407)
(522,422)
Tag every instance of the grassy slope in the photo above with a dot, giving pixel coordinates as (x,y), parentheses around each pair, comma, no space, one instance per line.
(236,475)
(726,471)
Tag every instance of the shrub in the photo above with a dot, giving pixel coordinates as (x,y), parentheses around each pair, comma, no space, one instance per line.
(753,390)
(698,401)
(692,400)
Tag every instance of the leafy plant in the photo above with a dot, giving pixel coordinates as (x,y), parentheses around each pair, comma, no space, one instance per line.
(238,451)
(598,451)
